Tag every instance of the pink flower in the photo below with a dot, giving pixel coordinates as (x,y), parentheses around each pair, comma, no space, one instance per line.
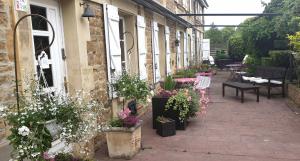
(189,98)
(124,113)
(47,157)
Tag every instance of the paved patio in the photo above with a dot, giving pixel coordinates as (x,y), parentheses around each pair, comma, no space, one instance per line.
(230,131)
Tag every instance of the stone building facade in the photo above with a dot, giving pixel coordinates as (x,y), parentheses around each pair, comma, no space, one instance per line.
(148,40)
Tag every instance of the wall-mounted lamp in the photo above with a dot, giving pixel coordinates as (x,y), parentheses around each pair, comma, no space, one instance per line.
(177,42)
(88,11)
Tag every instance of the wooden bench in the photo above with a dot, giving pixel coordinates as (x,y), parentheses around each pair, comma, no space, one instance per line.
(269,77)
(242,87)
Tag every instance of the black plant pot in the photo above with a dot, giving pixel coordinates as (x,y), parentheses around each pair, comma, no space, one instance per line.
(158,106)
(180,125)
(165,129)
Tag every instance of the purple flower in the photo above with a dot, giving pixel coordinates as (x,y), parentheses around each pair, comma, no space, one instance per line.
(130,121)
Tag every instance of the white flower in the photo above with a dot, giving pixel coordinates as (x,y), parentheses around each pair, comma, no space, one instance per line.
(24,131)
(152,93)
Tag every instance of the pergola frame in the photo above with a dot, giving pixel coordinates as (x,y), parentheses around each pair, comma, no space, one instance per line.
(230,14)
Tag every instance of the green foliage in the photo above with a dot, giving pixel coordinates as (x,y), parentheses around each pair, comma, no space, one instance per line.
(219,37)
(116,122)
(30,137)
(280,58)
(261,32)
(194,103)
(221,55)
(169,83)
(179,103)
(251,62)
(185,73)
(266,61)
(295,41)
(131,87)
(236,49)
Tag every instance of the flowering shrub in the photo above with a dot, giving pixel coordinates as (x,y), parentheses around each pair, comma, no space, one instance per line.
(30,137)
(181,103)
(125,119)
(131,87)
(186,102)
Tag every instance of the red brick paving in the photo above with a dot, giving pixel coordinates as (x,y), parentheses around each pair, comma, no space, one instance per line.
(230,131)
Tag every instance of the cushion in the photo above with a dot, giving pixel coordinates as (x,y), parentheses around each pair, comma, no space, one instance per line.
(275,82)
(259,80)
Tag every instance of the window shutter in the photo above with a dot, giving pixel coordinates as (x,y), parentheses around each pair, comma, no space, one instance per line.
(112,40)
(142,48)
(185,54)
(168,52)
(193,50)
(178,50)
(155,53)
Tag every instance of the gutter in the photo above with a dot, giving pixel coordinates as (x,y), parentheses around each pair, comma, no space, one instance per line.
(155,7)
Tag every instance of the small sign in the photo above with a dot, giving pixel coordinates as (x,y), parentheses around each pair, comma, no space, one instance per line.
(43,60)
(21,5)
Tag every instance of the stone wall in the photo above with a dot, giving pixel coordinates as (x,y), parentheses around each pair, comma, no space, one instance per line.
(7,85)
(172,28)
(96,53)
(171,5)
(97,59)
(149,66)
(294,94)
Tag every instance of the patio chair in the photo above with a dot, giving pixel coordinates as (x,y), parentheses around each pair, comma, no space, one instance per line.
(202,82)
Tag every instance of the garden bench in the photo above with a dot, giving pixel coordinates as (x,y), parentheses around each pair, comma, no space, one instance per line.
(269,77)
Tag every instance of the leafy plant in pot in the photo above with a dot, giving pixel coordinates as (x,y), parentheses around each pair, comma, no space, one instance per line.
(178,108)
(30,137)
(165,126)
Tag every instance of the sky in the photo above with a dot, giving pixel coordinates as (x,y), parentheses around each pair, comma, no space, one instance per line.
(232,6)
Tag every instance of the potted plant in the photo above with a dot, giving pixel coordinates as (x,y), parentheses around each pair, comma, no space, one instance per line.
(165,126)
(132,89)
(124,135)
(161,98)
(178,108)
(31,136)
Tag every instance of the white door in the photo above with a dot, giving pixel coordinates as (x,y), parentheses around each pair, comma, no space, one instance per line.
(142,47)
(168,51)
(54,74)
(112,39)
(155,52)
(185,51)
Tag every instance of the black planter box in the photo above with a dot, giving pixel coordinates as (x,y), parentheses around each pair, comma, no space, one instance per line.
(158,106)
(165,129)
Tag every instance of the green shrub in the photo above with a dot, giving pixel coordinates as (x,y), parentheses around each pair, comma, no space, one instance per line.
(266,61)
(185,73)
(236,49)
(221,55)
(280,58)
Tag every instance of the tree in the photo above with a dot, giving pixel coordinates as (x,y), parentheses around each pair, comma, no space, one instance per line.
(236,49)
(261,32)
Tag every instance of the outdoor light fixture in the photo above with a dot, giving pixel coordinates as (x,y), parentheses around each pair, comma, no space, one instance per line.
(88,11)
(177,42)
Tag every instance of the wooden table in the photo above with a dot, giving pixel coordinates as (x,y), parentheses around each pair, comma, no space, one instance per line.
(242,87)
